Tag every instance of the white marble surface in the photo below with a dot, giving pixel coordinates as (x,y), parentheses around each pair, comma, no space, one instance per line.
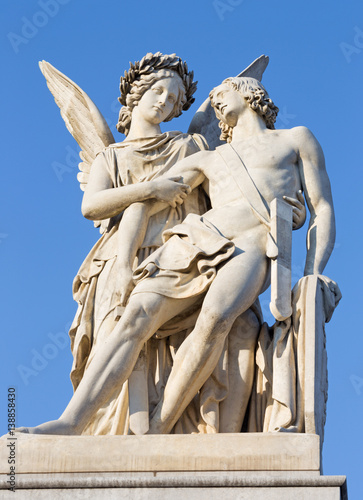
(196,452)
(258,165)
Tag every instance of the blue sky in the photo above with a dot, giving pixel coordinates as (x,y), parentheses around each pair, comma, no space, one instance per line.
(314,76)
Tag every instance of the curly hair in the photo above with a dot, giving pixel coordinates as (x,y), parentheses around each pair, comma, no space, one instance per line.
(258,99)
(138,89)
(143,74)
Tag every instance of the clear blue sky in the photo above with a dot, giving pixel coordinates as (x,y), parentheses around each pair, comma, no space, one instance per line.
(314,76)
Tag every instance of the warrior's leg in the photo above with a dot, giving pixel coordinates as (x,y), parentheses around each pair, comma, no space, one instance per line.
(236,286)
(114,360)
(131,234)
(241,365)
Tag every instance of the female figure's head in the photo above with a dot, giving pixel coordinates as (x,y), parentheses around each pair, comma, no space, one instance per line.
(144,75)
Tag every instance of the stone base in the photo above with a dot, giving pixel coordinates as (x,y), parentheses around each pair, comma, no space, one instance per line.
(212,466)
(179,486)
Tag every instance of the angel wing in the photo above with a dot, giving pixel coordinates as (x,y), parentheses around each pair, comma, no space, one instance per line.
(205,121)
(83,120)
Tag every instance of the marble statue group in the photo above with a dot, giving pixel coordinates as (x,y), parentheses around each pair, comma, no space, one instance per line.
(169,336)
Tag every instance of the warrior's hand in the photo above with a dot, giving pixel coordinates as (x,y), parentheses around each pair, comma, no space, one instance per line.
(298,210)
(125,283)
(171,191)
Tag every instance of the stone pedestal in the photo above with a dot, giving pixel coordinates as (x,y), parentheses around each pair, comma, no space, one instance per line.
(213,466)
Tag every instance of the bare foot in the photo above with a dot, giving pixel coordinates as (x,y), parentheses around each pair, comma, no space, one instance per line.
(24,430)
(56,427)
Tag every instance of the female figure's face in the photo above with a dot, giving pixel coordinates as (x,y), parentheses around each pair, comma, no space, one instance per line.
(159,100)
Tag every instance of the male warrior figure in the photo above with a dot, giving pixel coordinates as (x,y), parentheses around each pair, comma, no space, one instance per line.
(220,257)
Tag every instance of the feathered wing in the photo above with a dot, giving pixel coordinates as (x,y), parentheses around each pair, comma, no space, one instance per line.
(205,121)
(82,118)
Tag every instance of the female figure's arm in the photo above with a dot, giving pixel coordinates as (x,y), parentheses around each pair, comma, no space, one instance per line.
(102,200)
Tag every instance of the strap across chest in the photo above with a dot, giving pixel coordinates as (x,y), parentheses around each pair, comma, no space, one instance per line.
(244,181)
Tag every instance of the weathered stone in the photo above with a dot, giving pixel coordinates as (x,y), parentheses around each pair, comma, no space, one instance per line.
(203,452)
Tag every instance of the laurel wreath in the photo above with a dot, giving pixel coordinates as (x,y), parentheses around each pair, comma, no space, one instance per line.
(154,62)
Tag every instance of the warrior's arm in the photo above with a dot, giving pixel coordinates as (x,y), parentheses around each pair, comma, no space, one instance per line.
(316,185)
(134,222)
(191,169)
(131,235)
(187,173)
